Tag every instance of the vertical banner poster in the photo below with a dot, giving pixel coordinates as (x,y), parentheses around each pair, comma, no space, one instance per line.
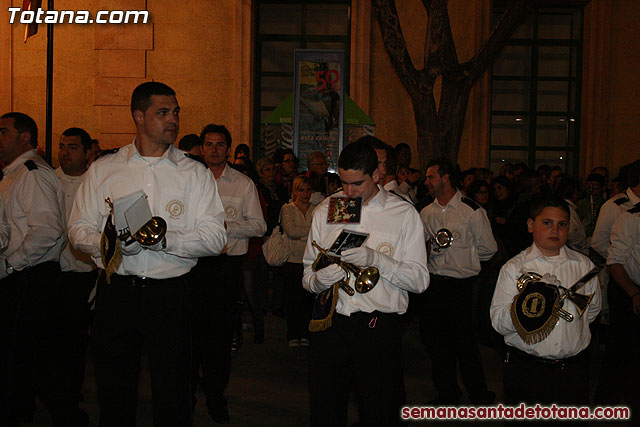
(318,104)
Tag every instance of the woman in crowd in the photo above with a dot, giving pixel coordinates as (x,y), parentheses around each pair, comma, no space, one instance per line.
(296,223)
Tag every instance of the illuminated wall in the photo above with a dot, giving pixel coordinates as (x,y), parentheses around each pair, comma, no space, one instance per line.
(202,48)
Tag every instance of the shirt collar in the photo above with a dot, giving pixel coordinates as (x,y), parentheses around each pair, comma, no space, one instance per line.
(171,155)
(454,202)
(532,253)
(18,161)
(227,173)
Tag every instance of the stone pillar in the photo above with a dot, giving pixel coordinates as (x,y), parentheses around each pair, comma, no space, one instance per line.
(121,52)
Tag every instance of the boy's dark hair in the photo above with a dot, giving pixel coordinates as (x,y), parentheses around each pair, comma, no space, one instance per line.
(596,177)
(567,186)
(538,203)
(359,156)
(446,167)
(221,129)
(141,96)
(373,142)
(85,139)
(188,142)
(24,123)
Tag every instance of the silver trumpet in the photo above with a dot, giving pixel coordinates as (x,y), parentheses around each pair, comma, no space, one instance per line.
(441,240)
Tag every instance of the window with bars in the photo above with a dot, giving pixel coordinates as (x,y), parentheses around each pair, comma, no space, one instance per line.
(535,102)
(282,27)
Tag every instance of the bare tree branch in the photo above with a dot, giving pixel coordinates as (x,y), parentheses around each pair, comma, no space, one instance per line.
(514,15)
(395,44)
(442,50)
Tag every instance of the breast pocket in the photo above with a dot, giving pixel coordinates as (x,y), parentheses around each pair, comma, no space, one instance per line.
(174,211)
(386,243)
(461,235)
(232,207)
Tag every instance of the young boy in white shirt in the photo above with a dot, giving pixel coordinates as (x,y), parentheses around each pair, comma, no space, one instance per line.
(551,366)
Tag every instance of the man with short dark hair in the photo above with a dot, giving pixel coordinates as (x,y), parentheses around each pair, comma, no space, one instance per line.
(214,306)
(453,268)
(33,202)
(363,341)
(143,293)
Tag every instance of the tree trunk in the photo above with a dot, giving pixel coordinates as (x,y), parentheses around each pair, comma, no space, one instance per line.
(440,129)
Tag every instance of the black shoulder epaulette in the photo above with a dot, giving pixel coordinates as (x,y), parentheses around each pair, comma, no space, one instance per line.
(473,205)
(109,151)
(197,159)
(621,200)
(635,208)
(31,165)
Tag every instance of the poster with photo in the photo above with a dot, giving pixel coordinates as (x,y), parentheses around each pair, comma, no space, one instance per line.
(318,104)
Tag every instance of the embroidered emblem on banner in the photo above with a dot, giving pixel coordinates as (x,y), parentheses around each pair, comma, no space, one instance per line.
(385,248)
(230,211)
(533,305)
(175,208)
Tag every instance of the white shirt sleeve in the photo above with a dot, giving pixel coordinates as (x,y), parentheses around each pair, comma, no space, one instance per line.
(409,272)
(87,217)
(208,237)
(622,240)
(601,234)
(45,219)
(252,223)
(5,228)
(482,234)
(505,291)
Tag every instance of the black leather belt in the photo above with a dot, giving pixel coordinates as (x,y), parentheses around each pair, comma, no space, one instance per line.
(143,282)
(560,363)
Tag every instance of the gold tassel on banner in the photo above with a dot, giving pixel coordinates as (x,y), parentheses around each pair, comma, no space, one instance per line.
(322,324)
(110,246)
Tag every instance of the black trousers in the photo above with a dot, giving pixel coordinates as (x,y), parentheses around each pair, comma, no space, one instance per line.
(528,379)
(129,312)
(625,348)
(447,331)
(215,288)
(29,331)
(299,302)
(365,350)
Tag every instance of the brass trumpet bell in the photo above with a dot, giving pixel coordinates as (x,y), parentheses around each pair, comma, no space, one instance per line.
(366,278)
(152,232)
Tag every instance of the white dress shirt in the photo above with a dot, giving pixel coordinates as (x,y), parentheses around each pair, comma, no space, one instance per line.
(395,230)
(472,237)
(243,214)
(5,228)
(296,225)
(33,205)
(625,245)
(179,189)
(609,212)
(577,239)
(72,259)
(567,338)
